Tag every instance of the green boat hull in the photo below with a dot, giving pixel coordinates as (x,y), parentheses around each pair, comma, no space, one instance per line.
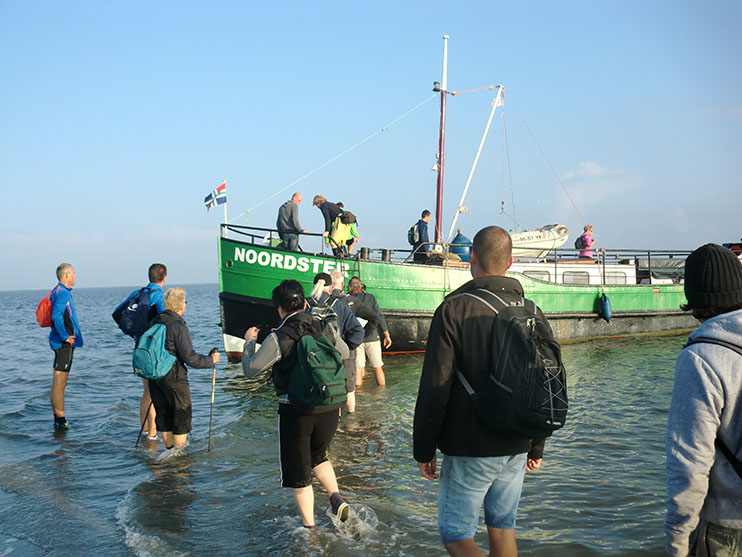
(409,294)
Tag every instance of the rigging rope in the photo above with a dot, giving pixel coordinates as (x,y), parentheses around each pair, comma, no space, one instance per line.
(336,157)
(547,161)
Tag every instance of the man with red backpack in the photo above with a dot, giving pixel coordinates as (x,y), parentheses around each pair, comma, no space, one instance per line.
(64,337)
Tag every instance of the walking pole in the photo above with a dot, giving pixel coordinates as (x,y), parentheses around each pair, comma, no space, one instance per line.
(143,422)
(213,387)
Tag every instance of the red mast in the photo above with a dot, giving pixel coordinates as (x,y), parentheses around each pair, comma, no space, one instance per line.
(441,142)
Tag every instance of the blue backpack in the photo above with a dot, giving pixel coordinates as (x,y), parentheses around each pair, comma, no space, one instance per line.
(133,318)
(150,359)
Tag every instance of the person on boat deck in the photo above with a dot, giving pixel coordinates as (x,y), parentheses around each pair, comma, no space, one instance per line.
(171,395)
(288,225)
(588,241)
(371,347)
(157,274)
(329,210)
(423,253)
(704,428)
(328,289)
(353,237)
(64,337)
(303,439)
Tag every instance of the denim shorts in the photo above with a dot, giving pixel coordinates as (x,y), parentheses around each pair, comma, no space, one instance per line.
(466,482)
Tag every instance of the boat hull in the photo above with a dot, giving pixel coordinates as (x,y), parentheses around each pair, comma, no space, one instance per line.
(409,294)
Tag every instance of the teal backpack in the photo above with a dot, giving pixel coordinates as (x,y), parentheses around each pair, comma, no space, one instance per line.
(317,382)
(150,359)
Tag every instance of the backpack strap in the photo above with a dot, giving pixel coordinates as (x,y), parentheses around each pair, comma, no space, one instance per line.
(733,460)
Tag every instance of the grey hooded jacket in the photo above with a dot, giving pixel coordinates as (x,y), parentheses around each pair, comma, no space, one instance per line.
(706,403)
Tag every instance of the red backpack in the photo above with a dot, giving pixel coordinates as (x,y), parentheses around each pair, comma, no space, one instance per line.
(44,311)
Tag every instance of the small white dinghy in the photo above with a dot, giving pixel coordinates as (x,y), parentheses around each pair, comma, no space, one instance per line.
(535,244)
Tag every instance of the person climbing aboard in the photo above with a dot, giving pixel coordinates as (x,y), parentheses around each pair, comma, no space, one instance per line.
(304,438)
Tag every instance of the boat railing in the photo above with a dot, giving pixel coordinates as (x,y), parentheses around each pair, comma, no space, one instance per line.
(650,264)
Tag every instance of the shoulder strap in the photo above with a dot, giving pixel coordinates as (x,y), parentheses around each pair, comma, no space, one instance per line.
(709,340)
(736,464)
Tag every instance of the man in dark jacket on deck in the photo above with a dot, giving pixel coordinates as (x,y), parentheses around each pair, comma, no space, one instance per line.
(478,465)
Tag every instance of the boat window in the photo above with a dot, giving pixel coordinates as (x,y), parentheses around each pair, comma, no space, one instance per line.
(538,275)
(576,277)
(615,277)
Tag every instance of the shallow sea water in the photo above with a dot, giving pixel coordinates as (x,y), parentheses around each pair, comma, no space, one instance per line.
(90,492)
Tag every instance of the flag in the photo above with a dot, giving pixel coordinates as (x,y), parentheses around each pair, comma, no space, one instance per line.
(216,197)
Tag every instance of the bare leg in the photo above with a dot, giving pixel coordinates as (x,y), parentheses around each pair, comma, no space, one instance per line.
(144,404)
(351,404)
(167,438)
(502,542)
(359,375)
(463,548)
(179,440)
(380,377)
(304,497)
(56,395)
(326,476)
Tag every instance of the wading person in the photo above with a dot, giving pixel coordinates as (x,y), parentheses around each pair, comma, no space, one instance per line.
(328,294)
(304,439)
(64,337)
(371,348)
(137,321)
(704,429)
(287,223)
(480,464)
(171,395)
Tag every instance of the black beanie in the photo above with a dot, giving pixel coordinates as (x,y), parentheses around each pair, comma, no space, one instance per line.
(713,278)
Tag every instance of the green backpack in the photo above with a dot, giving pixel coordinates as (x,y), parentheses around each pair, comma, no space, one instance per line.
(317,382)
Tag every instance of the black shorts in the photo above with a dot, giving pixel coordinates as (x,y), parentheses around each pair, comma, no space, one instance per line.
(303,440)
(63,357)
(172,402)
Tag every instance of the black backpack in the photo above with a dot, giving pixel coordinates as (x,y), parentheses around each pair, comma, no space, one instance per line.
(580,242)
(413,235)
(346,217)
(329,324)
(525,393)
(133,318)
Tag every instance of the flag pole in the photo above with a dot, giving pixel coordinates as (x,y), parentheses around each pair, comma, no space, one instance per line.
(224,182)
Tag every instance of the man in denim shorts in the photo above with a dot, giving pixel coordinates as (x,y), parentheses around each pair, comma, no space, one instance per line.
(479,467)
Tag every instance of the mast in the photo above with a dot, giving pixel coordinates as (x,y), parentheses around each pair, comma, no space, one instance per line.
(441,141)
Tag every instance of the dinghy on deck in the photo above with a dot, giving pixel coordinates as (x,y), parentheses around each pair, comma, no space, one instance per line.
(535,244)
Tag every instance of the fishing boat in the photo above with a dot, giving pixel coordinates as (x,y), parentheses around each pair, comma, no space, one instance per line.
(644,287)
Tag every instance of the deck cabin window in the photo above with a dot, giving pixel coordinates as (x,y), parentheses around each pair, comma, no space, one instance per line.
(576,277)
(538,275)
(615,277)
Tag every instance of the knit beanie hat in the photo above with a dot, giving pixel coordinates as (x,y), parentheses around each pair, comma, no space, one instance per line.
(713,278)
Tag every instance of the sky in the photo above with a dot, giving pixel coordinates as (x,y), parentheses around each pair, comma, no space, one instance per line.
(117,118)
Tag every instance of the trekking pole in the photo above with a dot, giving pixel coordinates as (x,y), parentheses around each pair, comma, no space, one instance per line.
(143,422)
(213,388)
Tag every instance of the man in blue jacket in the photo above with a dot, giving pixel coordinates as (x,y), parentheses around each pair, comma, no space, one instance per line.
(64,337)
(421,248)
(157,274)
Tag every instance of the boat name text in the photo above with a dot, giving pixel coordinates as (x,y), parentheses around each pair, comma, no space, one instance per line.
(289,262)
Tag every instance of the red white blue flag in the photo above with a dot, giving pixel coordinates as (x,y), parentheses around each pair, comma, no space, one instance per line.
(216,197)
